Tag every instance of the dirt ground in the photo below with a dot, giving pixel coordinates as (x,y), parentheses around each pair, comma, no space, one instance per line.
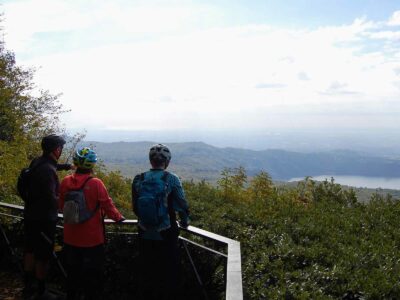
(10,286)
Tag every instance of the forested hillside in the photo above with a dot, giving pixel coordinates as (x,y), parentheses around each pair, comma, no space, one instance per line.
(315,241)
(201,161)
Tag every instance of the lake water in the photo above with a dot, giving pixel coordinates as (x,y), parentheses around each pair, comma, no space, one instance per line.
(360,181)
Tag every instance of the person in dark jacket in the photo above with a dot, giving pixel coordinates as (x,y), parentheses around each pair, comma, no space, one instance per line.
(40,216)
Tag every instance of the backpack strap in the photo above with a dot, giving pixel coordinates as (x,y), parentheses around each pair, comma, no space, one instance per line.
(36,165)
(140,182)
(83,185)
(165,176)
(170,209)
(98,203)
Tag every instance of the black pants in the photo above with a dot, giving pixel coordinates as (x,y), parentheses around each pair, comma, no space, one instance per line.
(39,238)
(85,269)
(160,266)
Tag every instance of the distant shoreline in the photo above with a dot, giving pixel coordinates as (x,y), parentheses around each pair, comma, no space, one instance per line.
(359,181)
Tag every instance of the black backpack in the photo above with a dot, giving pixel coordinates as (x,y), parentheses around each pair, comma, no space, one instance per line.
(23,181)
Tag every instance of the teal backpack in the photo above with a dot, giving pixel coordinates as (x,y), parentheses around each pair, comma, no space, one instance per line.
(152,202)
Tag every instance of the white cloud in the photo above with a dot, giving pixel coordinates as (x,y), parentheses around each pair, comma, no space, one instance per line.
(338,89)
(387,35)
(238,77)
(24,19)
(269,86)
(100,19)
(395,19)
(303,76)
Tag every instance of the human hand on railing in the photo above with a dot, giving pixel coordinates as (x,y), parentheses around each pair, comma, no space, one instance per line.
(183,224)
(120,220)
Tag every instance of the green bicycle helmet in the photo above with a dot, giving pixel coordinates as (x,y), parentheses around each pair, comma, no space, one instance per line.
(85,158)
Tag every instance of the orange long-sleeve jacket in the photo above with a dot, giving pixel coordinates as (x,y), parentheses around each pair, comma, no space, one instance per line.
(91,232)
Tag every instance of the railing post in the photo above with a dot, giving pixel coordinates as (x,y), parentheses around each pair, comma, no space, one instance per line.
(234,288)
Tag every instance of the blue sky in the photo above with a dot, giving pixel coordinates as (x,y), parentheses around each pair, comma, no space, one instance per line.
(304,13)
(150,65)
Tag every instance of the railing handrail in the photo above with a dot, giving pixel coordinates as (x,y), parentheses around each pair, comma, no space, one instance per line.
(234,288)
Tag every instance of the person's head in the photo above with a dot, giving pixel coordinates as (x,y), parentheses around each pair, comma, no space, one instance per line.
(53,145)
(159,156)
(85,159)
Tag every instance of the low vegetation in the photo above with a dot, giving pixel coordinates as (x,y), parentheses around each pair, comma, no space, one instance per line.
(310,242)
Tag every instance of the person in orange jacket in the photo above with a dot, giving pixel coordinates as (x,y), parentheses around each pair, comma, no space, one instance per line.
(84,239)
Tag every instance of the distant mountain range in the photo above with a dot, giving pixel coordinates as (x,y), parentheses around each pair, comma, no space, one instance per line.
(197,160)
(375,142)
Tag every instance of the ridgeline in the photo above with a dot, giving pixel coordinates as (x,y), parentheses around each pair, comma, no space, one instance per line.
(199,161)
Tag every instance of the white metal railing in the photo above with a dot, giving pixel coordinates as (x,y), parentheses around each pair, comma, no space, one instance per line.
(234,287)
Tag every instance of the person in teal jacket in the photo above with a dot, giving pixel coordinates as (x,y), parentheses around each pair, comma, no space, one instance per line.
(158,240)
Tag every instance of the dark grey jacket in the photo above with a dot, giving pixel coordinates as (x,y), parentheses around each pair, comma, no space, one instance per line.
(43,189)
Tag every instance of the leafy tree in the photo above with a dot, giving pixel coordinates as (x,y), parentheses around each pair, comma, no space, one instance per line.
(261,187)
(232,183)
(118,187)
(306,189)
(26,114)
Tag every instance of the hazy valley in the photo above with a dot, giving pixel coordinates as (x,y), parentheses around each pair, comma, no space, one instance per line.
(198,161)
